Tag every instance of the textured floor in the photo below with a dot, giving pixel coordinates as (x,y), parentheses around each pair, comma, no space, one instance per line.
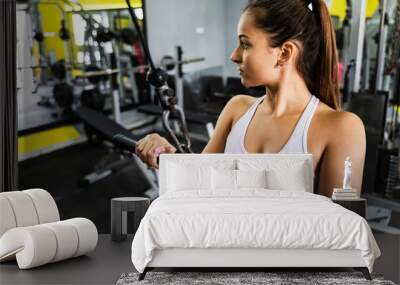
(242,278)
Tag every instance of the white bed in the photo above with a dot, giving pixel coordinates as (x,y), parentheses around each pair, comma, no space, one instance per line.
(240,211)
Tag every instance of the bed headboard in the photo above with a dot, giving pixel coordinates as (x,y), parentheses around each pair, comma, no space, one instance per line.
(277,162)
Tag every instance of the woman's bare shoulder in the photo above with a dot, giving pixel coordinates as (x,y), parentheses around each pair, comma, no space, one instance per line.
(239,104)
(242,100)
(338,123)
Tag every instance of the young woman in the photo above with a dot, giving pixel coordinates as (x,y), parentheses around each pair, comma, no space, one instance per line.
(289,47)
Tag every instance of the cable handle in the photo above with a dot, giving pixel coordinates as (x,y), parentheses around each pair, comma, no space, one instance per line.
(157,77)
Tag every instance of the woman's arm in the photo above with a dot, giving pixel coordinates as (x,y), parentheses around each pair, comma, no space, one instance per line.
(346,139)
(224,123)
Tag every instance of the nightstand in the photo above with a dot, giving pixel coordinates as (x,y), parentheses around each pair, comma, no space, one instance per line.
(119,209)
(358,206)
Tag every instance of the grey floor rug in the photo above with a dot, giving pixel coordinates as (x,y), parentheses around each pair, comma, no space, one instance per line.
(230,278)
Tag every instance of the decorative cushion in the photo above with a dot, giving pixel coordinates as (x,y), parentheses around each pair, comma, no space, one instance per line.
(87,233)
(7,220)
(223,179)
(26,208)
(183,178)
(194,171)
(23,208)
(45,205)
(282,174)
(180,172)
(34,244)
(37,245)
(67,237)
(251,179)
(291,179)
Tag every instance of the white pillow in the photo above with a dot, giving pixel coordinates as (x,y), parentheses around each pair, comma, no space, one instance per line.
(291,179)
(226,179)
(251,178)
(223,179)
(182,177)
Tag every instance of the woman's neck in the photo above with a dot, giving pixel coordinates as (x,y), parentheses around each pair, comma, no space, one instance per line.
(290,96)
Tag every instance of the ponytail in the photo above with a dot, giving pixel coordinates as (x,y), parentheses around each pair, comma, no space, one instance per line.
(327,60)
(310,24)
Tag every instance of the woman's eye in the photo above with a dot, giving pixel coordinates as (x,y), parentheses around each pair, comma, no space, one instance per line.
(244,45)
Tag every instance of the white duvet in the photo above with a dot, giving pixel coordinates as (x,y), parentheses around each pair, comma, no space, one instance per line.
(253,218)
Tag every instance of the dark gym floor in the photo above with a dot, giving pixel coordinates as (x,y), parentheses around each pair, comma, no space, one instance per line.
(60,172)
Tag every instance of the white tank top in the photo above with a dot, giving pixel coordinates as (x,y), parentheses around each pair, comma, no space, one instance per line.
(297,142)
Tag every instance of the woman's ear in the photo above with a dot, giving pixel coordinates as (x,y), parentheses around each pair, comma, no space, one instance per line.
(287,52)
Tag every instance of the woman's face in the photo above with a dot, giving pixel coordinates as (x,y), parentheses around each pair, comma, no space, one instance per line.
(255,58)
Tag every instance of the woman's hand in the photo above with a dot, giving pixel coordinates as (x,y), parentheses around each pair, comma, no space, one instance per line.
(150,147)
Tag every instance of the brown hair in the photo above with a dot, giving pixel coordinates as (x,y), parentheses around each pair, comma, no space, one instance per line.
(317,62)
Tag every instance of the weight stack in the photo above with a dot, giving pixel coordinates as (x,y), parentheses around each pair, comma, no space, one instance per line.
(392,177)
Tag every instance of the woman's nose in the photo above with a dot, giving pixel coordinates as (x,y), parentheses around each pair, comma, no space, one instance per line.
(235,56)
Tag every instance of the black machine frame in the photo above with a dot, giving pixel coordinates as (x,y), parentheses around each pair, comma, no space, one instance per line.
(8,98)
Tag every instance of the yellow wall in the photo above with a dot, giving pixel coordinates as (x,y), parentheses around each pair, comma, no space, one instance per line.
(51,21)
(338,8)
(108,4)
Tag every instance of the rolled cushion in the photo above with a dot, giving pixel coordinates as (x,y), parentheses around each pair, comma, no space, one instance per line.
(67,240)
(37,245)
(23,208)
(7,218)
(33,246)
(45,205)
(87,233)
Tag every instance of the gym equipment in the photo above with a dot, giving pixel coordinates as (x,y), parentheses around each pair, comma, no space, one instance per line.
(64,33)
(205,119)
(158,78)
(104,35)
(364,105)
(92,98)
(32,233)
(103,74)
(169,63)
(59,70)
(128,36)
(381,51)
(94,74)
(63,95)
(394,62)
(355,44)
(107,129)
(38,36)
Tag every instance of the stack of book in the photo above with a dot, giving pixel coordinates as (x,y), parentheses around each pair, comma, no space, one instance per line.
(344,194)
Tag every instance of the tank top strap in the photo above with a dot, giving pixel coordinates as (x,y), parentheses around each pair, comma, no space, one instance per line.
(306,115)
